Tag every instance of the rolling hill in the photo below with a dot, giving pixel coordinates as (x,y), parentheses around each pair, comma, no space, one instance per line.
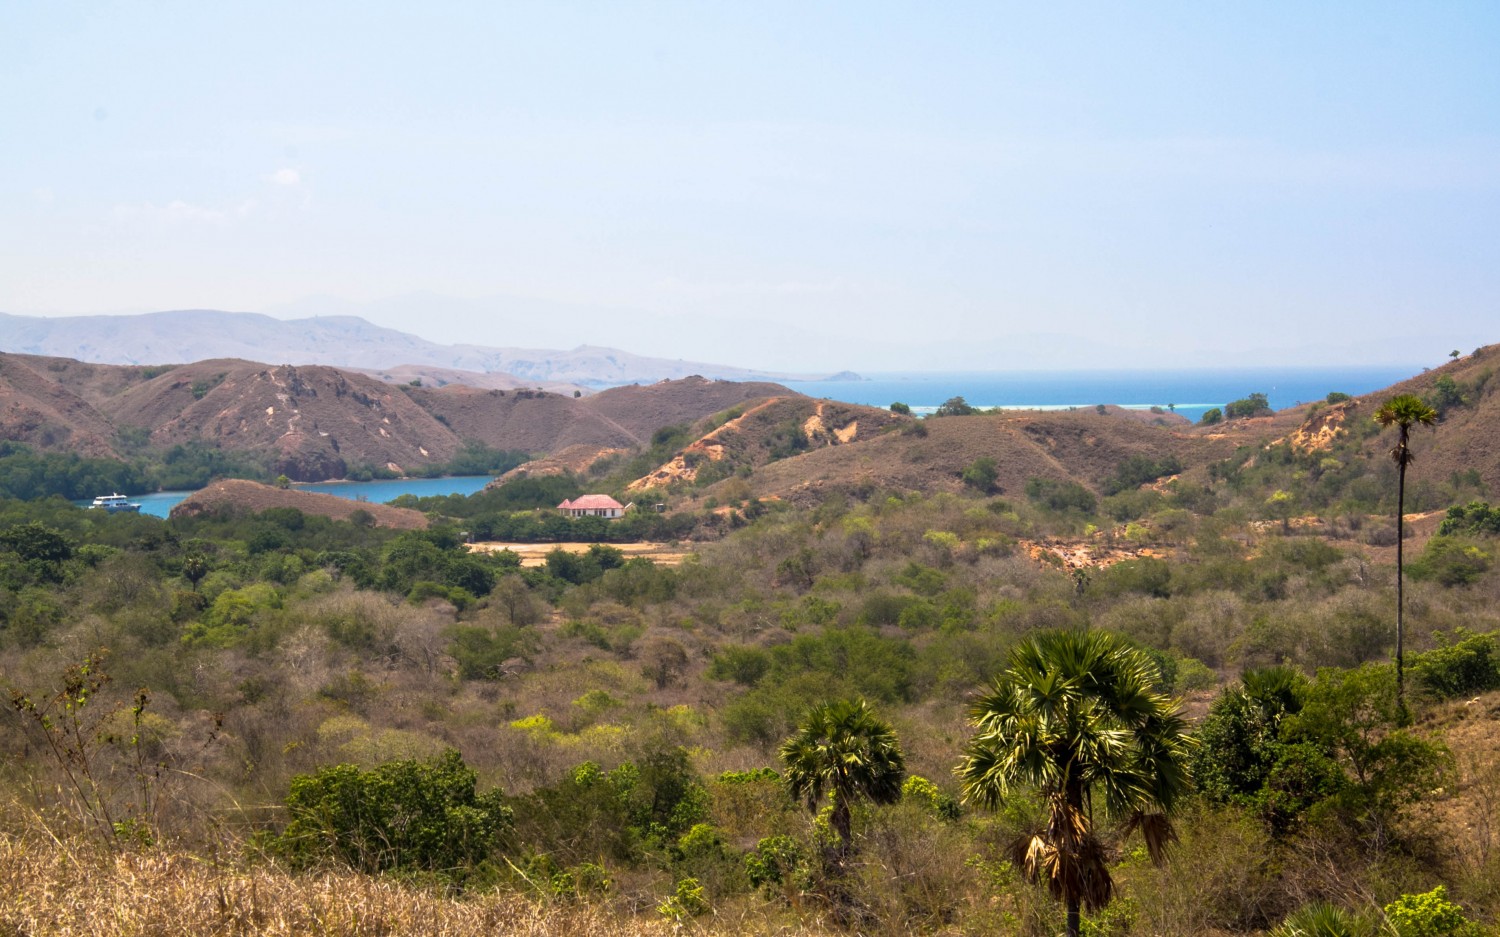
(317,422)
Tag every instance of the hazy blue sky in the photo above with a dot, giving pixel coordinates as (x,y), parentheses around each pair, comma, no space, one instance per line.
(798,185)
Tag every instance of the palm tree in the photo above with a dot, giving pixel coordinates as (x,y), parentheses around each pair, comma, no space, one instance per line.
(194,568)
(844,750)
(1077,711)
(1404,411)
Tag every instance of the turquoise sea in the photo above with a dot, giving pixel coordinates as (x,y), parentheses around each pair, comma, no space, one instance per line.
(1192,391)
(162,502)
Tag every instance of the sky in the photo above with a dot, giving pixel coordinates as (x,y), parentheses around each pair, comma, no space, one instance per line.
(806,186)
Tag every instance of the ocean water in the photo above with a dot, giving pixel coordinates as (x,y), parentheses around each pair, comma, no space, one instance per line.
(160,504)
(1191,391)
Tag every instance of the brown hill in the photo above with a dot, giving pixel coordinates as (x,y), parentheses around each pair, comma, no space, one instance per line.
(768,430)
(642,409)
(315,421)
(1467,436)
(36,409)
(252,497)
(1081,445)
(620,417)
(572,460)
(533,421)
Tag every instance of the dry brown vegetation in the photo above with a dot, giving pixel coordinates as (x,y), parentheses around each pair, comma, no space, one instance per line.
(253,497)
(881,574)
(49,889)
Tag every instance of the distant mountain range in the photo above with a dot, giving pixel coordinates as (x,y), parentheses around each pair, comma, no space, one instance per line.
(188,335)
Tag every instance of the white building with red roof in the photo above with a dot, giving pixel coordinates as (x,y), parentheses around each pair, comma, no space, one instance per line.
(594,506)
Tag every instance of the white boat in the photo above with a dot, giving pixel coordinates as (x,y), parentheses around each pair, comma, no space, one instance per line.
(115,503)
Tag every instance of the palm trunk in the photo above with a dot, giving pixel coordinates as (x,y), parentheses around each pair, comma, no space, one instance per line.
(1074,788)
(841,821)
(1400,576)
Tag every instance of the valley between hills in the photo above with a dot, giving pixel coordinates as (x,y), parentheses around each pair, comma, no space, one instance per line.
(472,714)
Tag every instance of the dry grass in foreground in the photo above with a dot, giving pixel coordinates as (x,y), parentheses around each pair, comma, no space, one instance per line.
(47,890)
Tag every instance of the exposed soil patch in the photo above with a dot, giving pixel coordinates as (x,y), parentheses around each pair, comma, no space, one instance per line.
(776,428)
(1083,554)
(1322,428)
(573,460)
(535,554)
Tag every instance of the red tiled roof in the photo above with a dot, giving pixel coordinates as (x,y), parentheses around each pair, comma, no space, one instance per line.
(591,503)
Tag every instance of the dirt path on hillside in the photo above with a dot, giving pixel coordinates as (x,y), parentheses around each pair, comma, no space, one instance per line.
(535,554)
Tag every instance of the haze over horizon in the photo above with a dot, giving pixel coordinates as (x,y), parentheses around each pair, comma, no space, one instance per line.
(784,188)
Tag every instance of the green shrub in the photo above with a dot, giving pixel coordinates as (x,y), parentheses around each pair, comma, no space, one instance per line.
(481,652)
(401,816)
(1239,741)
(1138,469)
(981,474)
(422,590)
(1430,915)
(1211,416)
(1452,562)
(744,664)
(918,789)
(687,901)
(1147,576)
(1476,518)
(955,406)
(777,863)
(1253,405)
(1464,667)
(1061,495)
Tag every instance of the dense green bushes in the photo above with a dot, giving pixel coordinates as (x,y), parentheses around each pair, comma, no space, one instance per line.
(1061,495)
(1476,518)
(1331,751)
(400,816)
(1465,666)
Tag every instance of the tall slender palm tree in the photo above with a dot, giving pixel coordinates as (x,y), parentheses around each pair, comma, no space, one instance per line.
(1403,411)
(844,750)
(1074,713)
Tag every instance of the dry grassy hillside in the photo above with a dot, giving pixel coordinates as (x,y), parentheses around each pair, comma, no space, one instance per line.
(1464,391)
(1466,436)
(317,420)
(1081,445)
(570,460)
(95,383)
(642,409)
(617,418)
(37,410)
(767,430)
(529,420)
